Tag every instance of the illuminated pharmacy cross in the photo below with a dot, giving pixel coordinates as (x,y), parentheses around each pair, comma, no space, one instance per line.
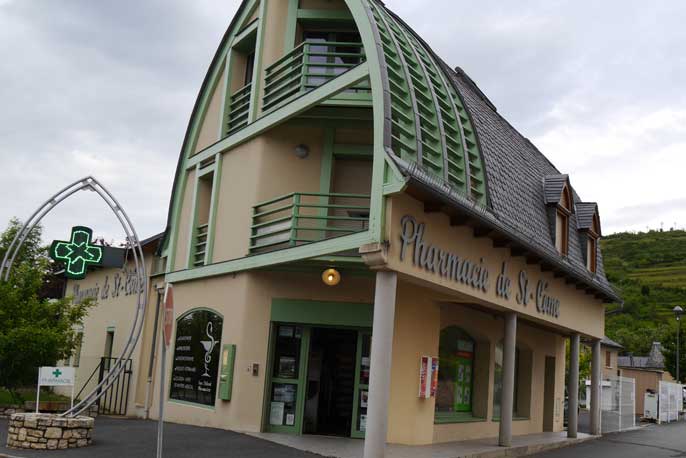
(78,253)
(57,373)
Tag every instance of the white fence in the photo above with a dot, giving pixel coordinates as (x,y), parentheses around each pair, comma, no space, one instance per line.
(670,401)
(617,404)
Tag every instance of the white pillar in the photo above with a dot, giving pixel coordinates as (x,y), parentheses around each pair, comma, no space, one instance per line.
(573,386)
(507,397)
(380,370)
(595,389)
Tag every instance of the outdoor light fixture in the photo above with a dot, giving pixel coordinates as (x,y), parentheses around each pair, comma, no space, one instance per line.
(331,277)
(302,151)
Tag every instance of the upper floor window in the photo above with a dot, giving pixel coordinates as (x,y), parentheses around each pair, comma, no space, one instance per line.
(608,359)
(563,211)
(592,245)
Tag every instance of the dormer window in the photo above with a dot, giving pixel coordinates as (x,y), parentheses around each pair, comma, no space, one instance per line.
(563,211)
(559,201)
(588,221)
(592,245)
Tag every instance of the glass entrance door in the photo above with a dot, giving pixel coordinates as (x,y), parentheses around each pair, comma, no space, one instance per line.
(318,380)
(284,409)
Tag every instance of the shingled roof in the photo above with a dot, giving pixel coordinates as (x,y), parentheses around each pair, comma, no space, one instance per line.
(585,211)
(521,183)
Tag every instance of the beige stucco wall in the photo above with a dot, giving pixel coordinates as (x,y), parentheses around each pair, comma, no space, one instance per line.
(645,380)
(210,126)
(419,318)
(611,370)
(116,311)
(579,312)
(245,302)
(185,223)
(260,170)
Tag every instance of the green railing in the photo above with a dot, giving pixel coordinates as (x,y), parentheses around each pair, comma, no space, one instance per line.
(200,247)
(310,65)
(301,218)
(239,106)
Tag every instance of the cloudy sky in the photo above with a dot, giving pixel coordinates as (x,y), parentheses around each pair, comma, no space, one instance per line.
(106,88)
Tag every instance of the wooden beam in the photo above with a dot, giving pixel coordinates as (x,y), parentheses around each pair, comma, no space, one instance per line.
(458,220)
(480,232)
(517,251)
(432,207)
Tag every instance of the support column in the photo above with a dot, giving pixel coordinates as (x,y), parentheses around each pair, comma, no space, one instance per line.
(380,369)
(595,389)
(507,397)
(573,386)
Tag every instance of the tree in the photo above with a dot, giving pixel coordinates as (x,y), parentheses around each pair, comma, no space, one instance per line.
(34,331)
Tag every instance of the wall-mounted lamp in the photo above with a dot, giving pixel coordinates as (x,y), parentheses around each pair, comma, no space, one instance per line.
(331,277)
(302,151)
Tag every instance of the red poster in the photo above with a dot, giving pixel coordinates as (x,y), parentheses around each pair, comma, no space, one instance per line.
(434,376)
(424,368)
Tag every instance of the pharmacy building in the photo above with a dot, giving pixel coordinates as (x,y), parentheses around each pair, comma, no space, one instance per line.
(358,244)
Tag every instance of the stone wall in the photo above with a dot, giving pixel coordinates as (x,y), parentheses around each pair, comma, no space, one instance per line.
(7,411)
(42,431)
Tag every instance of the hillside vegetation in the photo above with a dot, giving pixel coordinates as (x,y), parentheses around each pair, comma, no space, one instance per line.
(649,270)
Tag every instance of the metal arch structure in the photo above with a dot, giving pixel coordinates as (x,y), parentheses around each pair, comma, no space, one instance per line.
(91,184)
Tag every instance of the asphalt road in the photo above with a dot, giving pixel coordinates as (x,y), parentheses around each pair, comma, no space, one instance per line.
(654,441)
(117,438)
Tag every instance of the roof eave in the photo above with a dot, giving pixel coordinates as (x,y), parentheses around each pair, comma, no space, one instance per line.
(445,194)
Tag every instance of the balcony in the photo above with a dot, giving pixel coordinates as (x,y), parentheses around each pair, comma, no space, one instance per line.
(310,65)
(239,106)
(200,247)
(302,218)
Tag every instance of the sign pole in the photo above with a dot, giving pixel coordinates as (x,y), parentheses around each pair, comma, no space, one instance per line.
(160,421)
(38,394)
(72,396)
(167,332)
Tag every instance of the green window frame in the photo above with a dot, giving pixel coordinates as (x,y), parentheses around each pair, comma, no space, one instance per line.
(455,393)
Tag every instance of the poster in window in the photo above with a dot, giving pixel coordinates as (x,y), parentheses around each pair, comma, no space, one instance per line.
(196,357)
(276,410)
(364,397)
(287,367)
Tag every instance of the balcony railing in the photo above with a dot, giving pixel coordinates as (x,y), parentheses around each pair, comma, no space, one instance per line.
(239,106)
(301,218)
(200,247)
(310,65)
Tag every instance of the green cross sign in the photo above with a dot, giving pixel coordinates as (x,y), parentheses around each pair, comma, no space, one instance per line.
(78,253)
(57,373)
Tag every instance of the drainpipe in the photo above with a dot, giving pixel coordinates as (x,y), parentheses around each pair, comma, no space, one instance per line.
(151,365)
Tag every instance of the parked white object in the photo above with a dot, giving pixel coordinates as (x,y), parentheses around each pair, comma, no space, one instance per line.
(670,402)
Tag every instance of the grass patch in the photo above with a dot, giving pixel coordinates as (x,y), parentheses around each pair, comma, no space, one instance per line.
(29,394)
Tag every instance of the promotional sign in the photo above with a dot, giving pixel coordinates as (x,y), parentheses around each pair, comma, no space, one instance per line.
(55,376)
(196,357)
(428,377)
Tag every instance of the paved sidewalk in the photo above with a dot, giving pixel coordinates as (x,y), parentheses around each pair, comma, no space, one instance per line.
(654,441)
(127,438)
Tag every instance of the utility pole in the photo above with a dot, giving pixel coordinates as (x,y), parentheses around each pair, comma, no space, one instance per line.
(678,311)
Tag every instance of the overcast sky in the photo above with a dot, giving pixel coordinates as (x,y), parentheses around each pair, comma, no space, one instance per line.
(107,87)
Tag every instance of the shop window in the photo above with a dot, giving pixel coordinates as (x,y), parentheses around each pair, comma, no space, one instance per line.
(521,401)
(455,389)
(196,357)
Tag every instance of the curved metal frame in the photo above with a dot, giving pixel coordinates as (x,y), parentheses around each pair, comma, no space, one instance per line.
(91,184)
